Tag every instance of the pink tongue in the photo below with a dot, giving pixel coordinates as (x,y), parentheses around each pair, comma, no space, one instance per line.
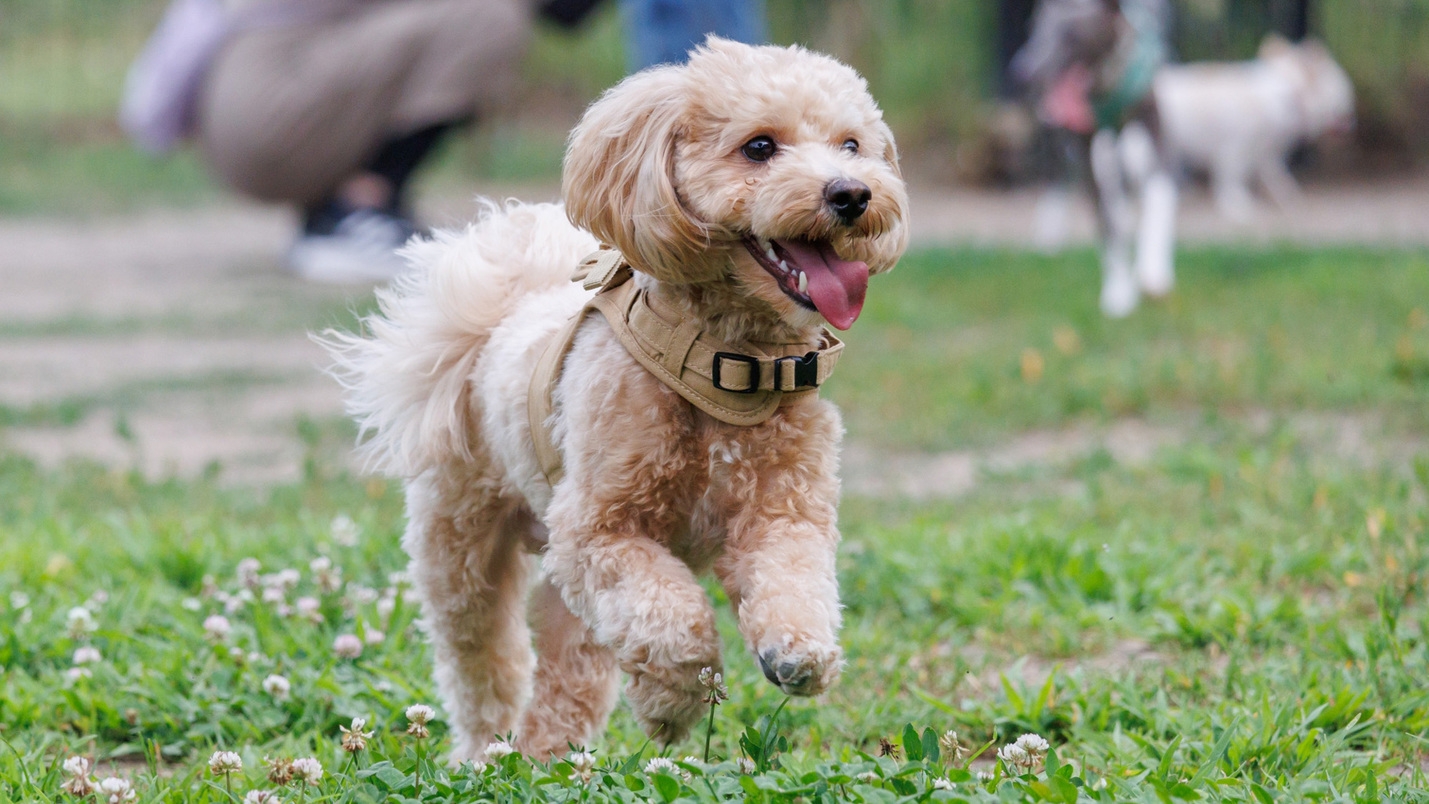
(836,286)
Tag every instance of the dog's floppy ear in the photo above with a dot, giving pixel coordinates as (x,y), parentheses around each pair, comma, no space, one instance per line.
(618,179)
(890,148)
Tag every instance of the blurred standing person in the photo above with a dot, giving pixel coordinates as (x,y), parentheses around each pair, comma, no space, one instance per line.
(664,31)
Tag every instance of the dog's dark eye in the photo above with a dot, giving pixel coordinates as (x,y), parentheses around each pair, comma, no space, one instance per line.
(759,149)
(851,146)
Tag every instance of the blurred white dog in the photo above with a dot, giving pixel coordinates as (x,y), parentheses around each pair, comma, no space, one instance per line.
(1239,121)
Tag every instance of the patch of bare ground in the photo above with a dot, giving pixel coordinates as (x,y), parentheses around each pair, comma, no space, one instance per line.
(182,342)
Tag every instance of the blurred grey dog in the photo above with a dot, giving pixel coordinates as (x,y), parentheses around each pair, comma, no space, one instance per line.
(1089,66)
(1239,121)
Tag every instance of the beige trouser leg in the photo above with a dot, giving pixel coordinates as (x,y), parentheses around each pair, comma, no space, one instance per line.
(289,112)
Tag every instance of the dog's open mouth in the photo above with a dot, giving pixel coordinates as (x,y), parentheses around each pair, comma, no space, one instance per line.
(811,273)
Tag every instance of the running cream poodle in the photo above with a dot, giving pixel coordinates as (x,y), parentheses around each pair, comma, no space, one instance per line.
(742,201)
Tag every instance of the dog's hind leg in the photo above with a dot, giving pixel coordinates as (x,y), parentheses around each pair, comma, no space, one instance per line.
(1120,292)
(1278,182)
(470,568)
(576,680)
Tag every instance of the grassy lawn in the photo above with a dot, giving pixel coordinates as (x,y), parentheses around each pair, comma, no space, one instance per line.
(1239,617)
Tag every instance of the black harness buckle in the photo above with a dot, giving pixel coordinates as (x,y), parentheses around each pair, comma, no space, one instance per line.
(753,364)
(806,370)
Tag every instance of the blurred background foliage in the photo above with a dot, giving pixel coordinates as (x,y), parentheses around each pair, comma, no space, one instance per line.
(931,63)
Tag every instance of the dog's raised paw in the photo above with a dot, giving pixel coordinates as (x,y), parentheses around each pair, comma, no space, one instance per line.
(801,671)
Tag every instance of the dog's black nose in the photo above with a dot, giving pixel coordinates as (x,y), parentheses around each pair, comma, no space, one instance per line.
(848,198)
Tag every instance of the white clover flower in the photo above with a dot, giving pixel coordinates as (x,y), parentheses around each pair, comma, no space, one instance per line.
(344,531)
(309,769)
(284,579)
(941,783)
(328,577)
(951,746)
(76,766)
(374,637)
(385,607)
(347,646)
(87,654)
(76,673)
(237,655)
(399,579)
(661,765)
(115,790)
(1035,746)
(99,598)
(499,749)
(260,797)
(217,627)
(277,686)
(308,608)
(745,765)
(233,603)
(361,595)
(79,621)
(583,762)
(419,715)
(19,600)
(986,776)
(79,786)
(869,777)
(223,763)
(208,587)
(191,604)
(1015,755)
(355,739)
(247,572)
(273,595)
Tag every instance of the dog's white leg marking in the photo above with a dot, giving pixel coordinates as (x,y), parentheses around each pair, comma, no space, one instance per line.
(1279,184)
(1120,292)
(1230,183)
(576,680)
(646,605)
(1138,154)
(470,570)
(1156,242)
(778,563)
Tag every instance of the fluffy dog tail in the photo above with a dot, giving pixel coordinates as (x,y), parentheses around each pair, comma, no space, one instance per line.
(408,378)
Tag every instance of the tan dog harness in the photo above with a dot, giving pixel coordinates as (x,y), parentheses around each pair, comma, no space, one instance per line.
(735,387)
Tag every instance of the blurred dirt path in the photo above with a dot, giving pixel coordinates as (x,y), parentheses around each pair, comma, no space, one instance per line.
(172,341)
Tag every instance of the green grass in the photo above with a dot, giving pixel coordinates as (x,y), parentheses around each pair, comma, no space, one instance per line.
(1241,617)
(959,348)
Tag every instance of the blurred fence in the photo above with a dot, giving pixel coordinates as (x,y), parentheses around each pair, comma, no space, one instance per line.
(931,63)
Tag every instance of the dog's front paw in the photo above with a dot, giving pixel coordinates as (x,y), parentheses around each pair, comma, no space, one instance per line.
(801,668)
(666,704)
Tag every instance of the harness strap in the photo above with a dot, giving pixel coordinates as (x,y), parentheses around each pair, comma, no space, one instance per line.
(1142,54)
(733,386)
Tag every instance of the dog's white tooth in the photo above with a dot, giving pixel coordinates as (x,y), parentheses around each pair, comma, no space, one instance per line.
(785,266)
(769,252)
(803,282)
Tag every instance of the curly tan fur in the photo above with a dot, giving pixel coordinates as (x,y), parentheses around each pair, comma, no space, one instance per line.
(654,491)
